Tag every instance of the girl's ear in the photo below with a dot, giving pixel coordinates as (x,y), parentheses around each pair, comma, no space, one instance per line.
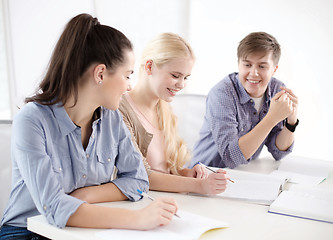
(148,67)
(99,72)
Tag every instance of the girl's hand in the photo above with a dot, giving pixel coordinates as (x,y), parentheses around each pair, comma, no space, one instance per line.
(159,213)
(215,183)
(198,171)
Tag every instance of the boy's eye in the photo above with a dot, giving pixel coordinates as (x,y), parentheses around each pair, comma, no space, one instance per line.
(187,78)
(174,75)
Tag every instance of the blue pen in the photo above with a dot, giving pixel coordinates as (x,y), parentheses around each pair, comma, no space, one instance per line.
(151,198)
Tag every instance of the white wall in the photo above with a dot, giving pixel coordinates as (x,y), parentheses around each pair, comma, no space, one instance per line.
(214,29)
(35,26)
(142,20)
(4,84)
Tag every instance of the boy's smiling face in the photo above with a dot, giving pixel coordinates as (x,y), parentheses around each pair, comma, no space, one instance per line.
(255,72)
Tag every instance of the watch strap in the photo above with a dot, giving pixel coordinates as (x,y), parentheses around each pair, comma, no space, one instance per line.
(291,128)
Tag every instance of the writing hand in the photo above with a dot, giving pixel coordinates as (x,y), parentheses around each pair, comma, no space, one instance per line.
(159,213)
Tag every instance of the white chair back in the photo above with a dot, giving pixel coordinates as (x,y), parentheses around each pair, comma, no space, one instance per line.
(5,163)
(190,110)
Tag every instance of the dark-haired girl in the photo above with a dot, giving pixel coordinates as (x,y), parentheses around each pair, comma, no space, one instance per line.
(69,138)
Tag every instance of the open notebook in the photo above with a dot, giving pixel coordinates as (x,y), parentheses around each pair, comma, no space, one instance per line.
(303,170)
(305,202)
(188,226)
(253,187)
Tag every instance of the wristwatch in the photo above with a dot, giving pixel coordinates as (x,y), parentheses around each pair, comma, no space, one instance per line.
(291,128)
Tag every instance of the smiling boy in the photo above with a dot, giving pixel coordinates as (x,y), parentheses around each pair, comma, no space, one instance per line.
(248,109)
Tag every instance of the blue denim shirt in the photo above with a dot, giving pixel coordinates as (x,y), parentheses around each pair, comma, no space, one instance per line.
(230,114)
(49,162)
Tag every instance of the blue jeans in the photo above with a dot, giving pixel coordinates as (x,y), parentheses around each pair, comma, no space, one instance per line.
(18,233)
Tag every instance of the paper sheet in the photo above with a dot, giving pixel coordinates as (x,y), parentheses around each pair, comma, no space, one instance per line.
(307,204)
(303,170)
(188,226)
(253,187)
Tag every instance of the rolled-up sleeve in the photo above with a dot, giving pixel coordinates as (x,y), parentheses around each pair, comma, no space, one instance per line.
(271,143)
(131,174)
(43,183)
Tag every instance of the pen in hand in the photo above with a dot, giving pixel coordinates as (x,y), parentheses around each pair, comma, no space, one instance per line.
(151,198)
(212,170)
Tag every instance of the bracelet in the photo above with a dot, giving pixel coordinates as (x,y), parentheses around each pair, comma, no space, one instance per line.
(291,128)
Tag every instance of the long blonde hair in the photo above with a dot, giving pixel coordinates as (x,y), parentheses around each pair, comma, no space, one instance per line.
(161,50)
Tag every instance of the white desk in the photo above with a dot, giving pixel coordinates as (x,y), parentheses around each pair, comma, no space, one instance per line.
(247,221)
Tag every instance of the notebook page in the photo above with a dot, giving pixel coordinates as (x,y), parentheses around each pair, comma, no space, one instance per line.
(253,187)
(188,226)
(298,178)
(306,166)
(303,205)
(303,170)
(315,192)
(124,234)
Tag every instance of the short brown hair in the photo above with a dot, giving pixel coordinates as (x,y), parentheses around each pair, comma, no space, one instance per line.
(259,42)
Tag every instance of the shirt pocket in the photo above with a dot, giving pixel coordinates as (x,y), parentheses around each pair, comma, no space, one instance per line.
(63,170)
(106,163)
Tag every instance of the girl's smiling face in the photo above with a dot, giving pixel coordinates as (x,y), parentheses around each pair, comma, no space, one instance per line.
(167,80)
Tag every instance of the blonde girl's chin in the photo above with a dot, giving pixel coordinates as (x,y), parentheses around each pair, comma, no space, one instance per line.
(168,98)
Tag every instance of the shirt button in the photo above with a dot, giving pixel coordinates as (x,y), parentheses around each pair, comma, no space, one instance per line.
(109,159)
(92,136)
(84,176)
(60,169)
(242,129)
(44,207)
(87,155)
(254,113)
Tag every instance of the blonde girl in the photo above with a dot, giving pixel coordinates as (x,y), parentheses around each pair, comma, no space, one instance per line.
(166,64)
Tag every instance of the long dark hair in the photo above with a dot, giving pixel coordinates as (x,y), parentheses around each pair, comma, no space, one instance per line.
(83,42)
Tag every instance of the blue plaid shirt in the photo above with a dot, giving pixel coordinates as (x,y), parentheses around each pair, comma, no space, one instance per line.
(230,114)
(49,162)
